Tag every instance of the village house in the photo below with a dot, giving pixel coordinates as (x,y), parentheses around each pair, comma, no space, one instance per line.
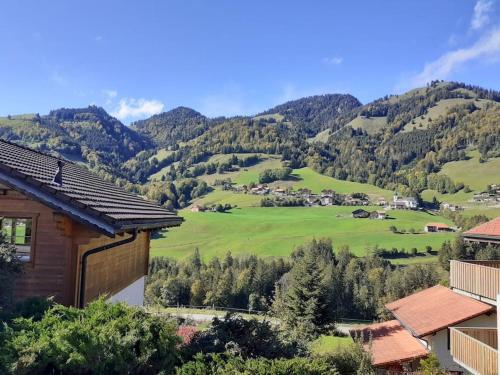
(279,192)
(487,233)
(260,190)
(197,208)
(79,236)
(437,227)
(451,207)
(459,324)
(403,203)
(381,201)
(380,215)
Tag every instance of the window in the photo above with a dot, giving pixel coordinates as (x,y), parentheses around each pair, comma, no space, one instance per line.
(17,231)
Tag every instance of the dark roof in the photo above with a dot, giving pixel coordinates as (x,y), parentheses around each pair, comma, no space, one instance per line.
(83,196)
(434,309)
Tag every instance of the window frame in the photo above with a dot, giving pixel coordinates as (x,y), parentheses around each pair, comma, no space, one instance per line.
(34,221)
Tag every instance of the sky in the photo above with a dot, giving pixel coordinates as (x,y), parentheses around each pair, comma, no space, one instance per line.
(226,57)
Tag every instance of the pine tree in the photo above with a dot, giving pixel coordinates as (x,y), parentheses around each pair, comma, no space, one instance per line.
(304,303)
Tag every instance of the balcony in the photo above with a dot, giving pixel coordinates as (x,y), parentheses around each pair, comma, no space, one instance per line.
(481,279)
(476,349)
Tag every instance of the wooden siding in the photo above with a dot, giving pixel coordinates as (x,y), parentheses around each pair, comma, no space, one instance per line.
(467,347)
(479,278)
(50,270)
(57,247)
(112,270)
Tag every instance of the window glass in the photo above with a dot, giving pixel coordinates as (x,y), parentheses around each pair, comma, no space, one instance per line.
(17,231)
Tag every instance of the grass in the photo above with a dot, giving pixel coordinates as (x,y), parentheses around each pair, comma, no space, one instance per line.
(475,174)
(16,120)
(277,231)
(441,109)
(371,125)
(161,154)
(329,344)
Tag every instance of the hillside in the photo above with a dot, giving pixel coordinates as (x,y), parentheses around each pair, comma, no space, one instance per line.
(88,135)
(169,128)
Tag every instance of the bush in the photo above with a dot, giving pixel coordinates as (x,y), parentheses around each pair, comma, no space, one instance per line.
(230,365)
(247,338)
(103,338)
(10,267)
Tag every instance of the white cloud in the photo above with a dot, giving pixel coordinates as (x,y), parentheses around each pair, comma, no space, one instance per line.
(59,79)
(487,47)
(109,95)
(130,108)
(481,16)
(332,60)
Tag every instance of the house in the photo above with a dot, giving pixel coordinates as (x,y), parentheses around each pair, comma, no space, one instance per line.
(260,190)
(381,215)
(326,200)
(403,203)
(279,192)
(437,227)
(79,236)
(487,233)
(313,200)
(360,214)
(458,324)
(451,207)
(381,201)
(197,208)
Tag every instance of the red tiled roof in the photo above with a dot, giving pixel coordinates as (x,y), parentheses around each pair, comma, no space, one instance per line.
(391,343)
(437,225)
(491,228)
(434,309)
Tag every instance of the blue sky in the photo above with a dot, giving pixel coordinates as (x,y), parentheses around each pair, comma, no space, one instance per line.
(226,57)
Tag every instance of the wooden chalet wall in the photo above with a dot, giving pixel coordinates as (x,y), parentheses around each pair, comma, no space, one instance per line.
(112,270)
(58,242)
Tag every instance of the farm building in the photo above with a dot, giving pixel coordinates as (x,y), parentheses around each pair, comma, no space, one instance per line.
(360,214)
(78,236)
(487,233)
(437,227)
(197,208)
(381,215)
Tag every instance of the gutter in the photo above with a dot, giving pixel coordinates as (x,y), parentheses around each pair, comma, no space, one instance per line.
(83,270)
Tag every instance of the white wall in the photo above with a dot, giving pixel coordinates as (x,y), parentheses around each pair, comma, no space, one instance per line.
(438,342)
(132,294)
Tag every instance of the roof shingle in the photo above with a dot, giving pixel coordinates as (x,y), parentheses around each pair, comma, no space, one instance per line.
(33,172)
(489,229)
(391,343)
(434,309)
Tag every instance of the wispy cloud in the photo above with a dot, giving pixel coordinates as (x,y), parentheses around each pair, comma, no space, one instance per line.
(58,78)
(481,15)
(486,48)
(336,60)
(130,108)
(109,95)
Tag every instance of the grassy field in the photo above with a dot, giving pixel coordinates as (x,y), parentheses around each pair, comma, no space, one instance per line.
(277,231)
(329,344)
(475,174)
(371,125)
(17,120)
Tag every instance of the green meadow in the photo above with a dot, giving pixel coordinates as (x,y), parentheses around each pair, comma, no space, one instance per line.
(277,231)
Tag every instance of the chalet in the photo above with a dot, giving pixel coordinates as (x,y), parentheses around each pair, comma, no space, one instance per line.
(260,190)
(451,207)
(437,227)
(279,192)
(79,236)
(381,201)
(459,324)
(380,215)
(360,214)
(403,203)
(197,208)
(487,233)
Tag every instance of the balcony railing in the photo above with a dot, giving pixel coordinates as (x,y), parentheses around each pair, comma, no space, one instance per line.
(481,278)
(475,348)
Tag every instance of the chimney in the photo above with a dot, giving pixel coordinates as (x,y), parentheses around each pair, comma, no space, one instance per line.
(58,178)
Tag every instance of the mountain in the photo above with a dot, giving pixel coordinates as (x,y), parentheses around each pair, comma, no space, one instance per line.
(169,128)
(88,135)
(316,113)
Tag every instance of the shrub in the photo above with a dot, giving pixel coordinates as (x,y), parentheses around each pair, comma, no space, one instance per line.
(248,338)
(230,365)
(103,338)
(10,267)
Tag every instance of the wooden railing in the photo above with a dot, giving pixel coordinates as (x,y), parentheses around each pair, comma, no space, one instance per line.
(481,278)
(467,347)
